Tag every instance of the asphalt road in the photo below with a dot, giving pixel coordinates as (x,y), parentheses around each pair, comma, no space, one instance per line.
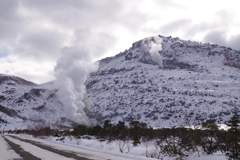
(17,148)
(28,156)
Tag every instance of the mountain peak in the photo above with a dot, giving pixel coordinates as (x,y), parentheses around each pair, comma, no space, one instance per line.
(14,80)
(160,79)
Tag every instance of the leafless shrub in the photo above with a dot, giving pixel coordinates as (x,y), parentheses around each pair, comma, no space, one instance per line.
(124,145)
(78,141)
(40,130)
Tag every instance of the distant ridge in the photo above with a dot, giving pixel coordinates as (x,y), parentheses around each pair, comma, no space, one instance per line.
(24,104)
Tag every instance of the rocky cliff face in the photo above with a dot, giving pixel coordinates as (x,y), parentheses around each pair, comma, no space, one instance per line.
(166,81)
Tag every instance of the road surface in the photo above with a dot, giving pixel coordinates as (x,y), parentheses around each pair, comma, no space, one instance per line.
(16,148)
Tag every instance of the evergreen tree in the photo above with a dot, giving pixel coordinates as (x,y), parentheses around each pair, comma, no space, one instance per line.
(210,138)
(80,130)
(106,131)
(119,130)
(136,129)
(94,130)
(234,137)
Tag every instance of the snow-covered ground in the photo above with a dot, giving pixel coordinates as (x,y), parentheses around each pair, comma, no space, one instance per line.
(96,150)
(6,153)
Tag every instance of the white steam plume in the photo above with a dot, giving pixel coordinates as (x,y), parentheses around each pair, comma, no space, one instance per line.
(73,68)
(71,71)
(156,46)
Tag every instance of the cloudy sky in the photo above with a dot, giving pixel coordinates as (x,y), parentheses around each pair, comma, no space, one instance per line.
(35,34)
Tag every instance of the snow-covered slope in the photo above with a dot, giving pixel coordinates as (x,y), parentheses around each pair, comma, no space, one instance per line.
(166,81)
(24,104)
(162,81)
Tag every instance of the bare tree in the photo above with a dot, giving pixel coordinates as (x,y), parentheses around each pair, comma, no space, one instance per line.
(78,140)
(124,145)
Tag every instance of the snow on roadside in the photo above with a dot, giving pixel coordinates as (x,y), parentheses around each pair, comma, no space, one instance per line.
(103,150)
(6,152)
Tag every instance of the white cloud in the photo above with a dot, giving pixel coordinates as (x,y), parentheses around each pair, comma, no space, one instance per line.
(34,32)
(37,71)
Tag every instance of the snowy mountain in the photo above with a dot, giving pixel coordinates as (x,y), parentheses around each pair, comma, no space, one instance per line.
(24,104)
(165,81)
(162,81)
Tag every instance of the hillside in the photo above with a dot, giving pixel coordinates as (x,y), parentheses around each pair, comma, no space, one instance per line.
(166,81)
(24,104)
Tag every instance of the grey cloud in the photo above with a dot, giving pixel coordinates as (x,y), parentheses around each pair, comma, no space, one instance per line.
(95,14)
(71,15)
(43,44)
(19,37)
(97,43)
(10,22)
(170,28)
(201,28)
(222,21)
(35,78)
(132,20)
(217,37)
(234,42)
(170,4)
(175,25)
(225,15)
(101,17)
(220,38)
(93,26)
(49,5)
(7,9)
(75,13)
